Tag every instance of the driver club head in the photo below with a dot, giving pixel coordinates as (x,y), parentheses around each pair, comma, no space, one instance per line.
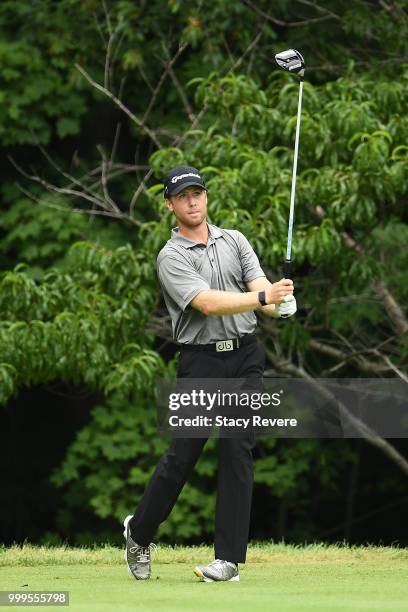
(292,61)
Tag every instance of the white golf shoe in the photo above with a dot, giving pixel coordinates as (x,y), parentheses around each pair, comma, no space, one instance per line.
(137,557)
(218,571)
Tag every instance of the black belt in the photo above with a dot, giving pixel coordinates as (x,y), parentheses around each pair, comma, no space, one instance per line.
(222,346)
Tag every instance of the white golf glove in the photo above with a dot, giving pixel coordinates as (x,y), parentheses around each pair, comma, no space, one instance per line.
(288,307)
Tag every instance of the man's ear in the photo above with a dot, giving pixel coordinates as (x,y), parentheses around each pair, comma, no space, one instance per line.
(168,204)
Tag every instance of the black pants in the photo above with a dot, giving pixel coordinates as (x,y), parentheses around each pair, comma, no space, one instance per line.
(235,464)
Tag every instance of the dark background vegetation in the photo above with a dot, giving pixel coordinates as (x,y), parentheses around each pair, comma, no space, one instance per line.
(83,329)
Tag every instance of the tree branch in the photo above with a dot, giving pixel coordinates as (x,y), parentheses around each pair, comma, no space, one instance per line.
(365,432)
(120,104)
(61,190)
(104,180)
(289,24)
(168,67)
(363,364)
(187,107)
(77,210)
(392,307)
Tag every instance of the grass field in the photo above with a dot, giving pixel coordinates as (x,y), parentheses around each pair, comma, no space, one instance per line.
(276,577)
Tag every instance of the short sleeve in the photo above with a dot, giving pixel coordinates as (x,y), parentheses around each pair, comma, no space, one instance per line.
(180,280)
(251,268)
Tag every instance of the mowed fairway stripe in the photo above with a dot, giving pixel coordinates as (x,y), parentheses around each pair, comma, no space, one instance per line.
(351,586)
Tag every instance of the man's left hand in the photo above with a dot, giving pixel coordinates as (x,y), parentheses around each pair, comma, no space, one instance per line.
(287,308)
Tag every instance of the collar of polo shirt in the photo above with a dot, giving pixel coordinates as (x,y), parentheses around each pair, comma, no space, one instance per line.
(213,232)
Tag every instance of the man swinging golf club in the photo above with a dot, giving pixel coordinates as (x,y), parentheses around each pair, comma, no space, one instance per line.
(212,284)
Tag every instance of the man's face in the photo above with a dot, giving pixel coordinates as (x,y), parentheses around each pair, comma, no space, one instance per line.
(189,206)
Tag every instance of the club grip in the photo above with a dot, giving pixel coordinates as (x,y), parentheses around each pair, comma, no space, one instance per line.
(287,268)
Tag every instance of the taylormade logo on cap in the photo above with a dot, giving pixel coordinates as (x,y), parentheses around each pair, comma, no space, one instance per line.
(181,176)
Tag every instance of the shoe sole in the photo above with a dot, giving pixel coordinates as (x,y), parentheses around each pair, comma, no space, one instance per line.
(200,574)
(125,524)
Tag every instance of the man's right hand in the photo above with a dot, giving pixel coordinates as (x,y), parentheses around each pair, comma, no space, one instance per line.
(276,292)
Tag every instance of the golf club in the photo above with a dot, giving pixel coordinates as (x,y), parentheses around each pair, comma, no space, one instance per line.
(292,61)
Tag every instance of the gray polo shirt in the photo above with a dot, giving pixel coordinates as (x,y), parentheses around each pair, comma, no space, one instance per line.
(185,268)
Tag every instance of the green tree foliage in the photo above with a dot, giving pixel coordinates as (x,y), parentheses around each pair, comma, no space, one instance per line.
(78,306)
(43,95)
(352,165)
(87,322)
(78,324)
(37,235)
